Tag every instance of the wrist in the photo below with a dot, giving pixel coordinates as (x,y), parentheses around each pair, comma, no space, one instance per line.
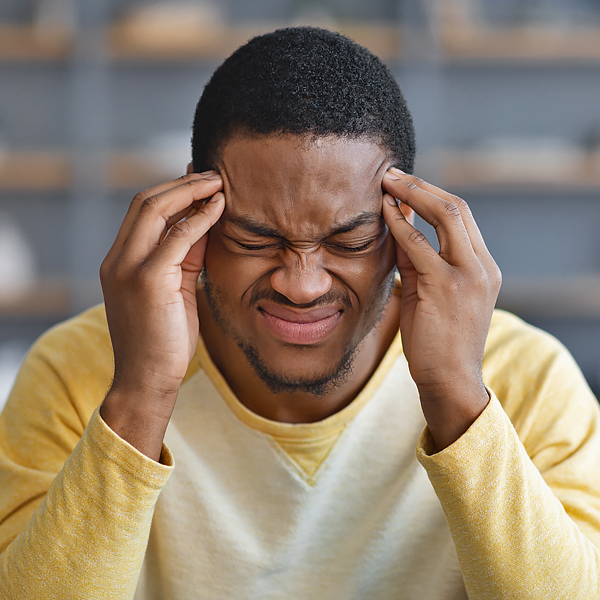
(138,418)
(451,410)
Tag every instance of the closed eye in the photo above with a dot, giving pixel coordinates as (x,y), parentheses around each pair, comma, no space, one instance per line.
(254,247)
(347,248)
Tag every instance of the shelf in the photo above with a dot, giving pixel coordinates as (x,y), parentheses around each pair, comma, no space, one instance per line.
(525,44)
(568,296)
(42,299)
(474,171)
(481,171)
(35,171)
(19,42)
(53,171)
(131,42)
(136,171)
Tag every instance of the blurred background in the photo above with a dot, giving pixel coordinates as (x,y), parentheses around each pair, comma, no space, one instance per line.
(97,99)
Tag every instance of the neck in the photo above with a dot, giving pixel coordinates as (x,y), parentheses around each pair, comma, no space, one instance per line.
(296,407)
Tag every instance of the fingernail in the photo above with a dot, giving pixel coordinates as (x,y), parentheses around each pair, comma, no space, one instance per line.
(397,170)
(218,196)
(390,175)
(213,176)
(207,172)
(391,200)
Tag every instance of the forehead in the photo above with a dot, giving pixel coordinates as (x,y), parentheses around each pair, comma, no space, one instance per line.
(302,185)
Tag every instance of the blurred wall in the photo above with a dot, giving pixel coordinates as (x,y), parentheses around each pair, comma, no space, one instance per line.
(97,98)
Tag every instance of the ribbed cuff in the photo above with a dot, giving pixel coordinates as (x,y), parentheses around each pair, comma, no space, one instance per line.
(109,446)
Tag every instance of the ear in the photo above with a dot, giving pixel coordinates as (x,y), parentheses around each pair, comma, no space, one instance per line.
(190,168)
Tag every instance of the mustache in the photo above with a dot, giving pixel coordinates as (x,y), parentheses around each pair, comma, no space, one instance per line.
(331,297)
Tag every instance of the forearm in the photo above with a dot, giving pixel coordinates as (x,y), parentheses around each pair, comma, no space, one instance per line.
(512,536)
(88,537)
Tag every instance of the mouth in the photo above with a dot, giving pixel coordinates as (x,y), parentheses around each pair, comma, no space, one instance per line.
(302,326)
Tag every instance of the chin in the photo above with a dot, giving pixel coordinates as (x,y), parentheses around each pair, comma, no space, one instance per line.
(301,373)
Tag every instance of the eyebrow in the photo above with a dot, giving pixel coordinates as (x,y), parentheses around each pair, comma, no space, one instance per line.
(259,229)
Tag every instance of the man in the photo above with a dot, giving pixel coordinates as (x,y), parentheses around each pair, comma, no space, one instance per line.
(294,384)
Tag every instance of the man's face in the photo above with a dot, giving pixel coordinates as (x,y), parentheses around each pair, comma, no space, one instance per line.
(299,267)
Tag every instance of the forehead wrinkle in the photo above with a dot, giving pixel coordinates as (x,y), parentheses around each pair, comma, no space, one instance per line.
(260,229)
(362,218)
(268,192)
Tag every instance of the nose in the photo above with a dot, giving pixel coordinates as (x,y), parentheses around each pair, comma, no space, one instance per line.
(302,278)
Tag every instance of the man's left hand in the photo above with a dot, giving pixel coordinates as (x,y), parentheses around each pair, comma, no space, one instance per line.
(447,302)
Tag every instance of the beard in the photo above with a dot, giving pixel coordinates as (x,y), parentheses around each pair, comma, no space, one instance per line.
(318,384)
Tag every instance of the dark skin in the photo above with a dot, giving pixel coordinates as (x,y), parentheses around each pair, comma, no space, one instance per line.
(319,207)
(303,195)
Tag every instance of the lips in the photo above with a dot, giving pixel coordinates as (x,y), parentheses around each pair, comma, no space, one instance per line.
(300,326)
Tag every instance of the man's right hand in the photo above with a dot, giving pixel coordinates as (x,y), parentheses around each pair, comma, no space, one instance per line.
(149,280)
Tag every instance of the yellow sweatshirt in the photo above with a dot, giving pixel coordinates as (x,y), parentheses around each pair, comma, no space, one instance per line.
(340,509)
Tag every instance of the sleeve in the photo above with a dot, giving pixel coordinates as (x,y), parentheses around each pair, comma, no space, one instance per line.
(523,506)
(76,501)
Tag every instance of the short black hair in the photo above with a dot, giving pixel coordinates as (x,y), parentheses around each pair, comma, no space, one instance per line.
(306,81)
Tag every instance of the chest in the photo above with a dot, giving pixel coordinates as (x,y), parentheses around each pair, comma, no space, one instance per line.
(238,520)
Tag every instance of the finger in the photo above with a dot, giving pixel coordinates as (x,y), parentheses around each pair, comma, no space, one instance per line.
(475,236)
(184,235)
(413,244)
(156,211)
(444,216)
(134,207)
(186,213)
(192,265)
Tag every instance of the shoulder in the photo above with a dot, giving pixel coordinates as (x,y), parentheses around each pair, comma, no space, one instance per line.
(77,347)
(535,378)
(516,349)
(72,362)
(509,331)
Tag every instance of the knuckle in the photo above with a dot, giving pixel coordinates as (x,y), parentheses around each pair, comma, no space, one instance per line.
(181,229)
(398,217)
(496,276)
(460,204)
(418,181)
(191,183)
(104,273)
(417,238)
(452,211)
(150,205)
(188,177)
(138,198)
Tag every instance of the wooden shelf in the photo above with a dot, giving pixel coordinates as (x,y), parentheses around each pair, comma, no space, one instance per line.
(480,171)
(460,43)
(525,44)
(28,43)
(42,299)
(129,42)
(53,171)
(136,171)
(36,171)
(569,296)
(473,171)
